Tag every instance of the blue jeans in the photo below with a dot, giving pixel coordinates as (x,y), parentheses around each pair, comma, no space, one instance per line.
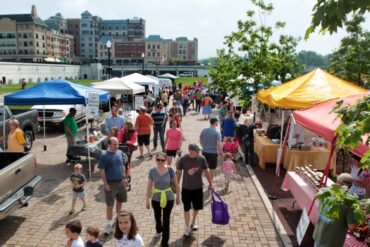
(158,130)
(184,108)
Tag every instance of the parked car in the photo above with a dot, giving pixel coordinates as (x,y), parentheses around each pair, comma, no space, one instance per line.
(18,179)
(28,122)
(55,114)
(186,74)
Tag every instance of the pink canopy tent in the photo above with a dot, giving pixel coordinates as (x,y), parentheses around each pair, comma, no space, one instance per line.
(320,120)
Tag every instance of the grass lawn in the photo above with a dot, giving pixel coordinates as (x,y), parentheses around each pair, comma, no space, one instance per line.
(191,80)
(16,87)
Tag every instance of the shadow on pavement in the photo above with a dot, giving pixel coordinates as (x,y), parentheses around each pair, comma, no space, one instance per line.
(8,227)
(185,242)
(60,223)
(100,195)
(154,241)
(213,241)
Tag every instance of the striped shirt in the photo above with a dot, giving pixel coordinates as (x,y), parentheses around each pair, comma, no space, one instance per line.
(158,118)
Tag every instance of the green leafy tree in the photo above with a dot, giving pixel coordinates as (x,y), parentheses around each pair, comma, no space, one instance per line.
(251,53)
(311,59)
(351,61)
(331,14)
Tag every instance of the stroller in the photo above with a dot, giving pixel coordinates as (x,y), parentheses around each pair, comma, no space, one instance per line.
(231,145)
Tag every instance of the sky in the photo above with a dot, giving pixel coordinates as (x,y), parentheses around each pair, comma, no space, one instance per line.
(207,20)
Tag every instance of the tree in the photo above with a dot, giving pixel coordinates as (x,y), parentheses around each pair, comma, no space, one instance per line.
(251,53)
(331,14)
(351,61)
(311,59)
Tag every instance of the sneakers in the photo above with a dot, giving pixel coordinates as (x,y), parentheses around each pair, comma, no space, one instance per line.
(108,230)
(194,226)
(72,211)
(187,233)
(157,234)
(226,186)
(84,208)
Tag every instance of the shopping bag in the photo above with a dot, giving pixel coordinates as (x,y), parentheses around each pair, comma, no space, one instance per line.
(220,212)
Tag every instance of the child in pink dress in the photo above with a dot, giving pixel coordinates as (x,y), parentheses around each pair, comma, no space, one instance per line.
(228,169)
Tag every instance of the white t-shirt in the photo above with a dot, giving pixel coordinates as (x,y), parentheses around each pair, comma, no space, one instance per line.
(78,243)
(124,242)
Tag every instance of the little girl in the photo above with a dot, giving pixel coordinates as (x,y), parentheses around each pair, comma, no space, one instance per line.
(126,231)
(228,169)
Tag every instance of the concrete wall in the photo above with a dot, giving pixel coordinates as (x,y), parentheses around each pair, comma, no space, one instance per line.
(37,72)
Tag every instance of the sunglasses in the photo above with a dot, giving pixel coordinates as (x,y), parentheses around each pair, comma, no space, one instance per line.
(161,160)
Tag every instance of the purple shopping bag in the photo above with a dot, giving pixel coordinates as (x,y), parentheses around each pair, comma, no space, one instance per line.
(220,212)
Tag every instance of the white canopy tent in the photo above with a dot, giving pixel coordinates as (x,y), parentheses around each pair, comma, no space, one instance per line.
(169,76)
(140,79)
(119,86)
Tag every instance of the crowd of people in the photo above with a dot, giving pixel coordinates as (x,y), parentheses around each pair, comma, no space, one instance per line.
(161,119)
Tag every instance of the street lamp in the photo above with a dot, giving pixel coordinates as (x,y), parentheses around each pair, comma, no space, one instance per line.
(109,46)
(142,58)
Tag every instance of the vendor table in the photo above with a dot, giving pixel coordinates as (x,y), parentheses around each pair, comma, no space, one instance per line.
(317,157)
(80,148)
(266,151)
(304,194)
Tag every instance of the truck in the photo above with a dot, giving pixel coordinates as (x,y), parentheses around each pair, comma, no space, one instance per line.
(55,114)
(28,122)
(18,180)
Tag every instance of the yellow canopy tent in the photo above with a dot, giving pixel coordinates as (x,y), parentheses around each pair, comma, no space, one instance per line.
(306,91)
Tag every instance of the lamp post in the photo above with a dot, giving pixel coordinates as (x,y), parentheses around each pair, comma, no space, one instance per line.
(109,46)
(142,59)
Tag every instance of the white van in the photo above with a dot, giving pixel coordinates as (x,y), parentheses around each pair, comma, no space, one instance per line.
(187,74)
(165,82)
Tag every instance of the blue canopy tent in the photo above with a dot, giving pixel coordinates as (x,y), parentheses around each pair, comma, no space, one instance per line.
(54,92)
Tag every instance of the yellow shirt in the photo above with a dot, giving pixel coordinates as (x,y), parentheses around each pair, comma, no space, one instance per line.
(16,141)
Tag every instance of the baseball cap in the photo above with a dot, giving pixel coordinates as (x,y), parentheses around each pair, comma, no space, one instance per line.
(142,108)
(194,147)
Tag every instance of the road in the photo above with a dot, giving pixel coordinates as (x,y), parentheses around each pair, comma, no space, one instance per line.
(42,222)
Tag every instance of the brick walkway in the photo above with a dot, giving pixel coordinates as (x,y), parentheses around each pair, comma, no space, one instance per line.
(42,222)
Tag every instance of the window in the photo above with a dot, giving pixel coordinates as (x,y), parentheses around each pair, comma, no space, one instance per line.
(148,46)
(148,54)
(158,54)
(157,46)
(25,43)
(37,44)
(43,37)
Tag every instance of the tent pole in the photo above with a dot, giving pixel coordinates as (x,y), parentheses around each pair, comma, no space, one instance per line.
(43,116)
(4,129)
(272,196)
(87,134)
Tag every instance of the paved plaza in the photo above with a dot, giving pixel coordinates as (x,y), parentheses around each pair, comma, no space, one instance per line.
(42,222)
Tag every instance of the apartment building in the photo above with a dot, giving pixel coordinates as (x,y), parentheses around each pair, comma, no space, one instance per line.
(183,51)
(102,50)
(156,50)
(89,37)
(57,23)
(22,37)
(73,28)
(59,47)
(135,29)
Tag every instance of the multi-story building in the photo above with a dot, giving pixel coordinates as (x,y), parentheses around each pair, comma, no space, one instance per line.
(183,51)
(156,50)
(103,50)
(73,28)
(115,28)
(22,37)
(57,23)
(59,47)
(89,36)
(135,29)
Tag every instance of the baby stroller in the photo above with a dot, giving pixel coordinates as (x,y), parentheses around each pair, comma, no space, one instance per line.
(231,145)
(127,149)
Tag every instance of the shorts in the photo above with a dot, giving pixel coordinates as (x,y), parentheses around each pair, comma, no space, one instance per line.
(143,140)
(192,198)
(171,152)
(117,192)
(80,195)
(211,159)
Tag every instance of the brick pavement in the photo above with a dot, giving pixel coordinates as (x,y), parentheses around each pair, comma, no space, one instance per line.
(42,222)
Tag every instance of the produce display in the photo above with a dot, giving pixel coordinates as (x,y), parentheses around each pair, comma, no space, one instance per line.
(310,175)
(95,136)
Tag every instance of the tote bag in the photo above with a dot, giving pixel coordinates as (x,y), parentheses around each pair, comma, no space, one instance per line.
(220,212)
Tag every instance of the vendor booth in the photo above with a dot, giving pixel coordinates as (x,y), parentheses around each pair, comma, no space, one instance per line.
(321,120)
(57,92)
(301,93)
(141,80)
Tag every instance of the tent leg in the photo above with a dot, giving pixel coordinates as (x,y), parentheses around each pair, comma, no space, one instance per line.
(4,128)
(43,113)
(87,137)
